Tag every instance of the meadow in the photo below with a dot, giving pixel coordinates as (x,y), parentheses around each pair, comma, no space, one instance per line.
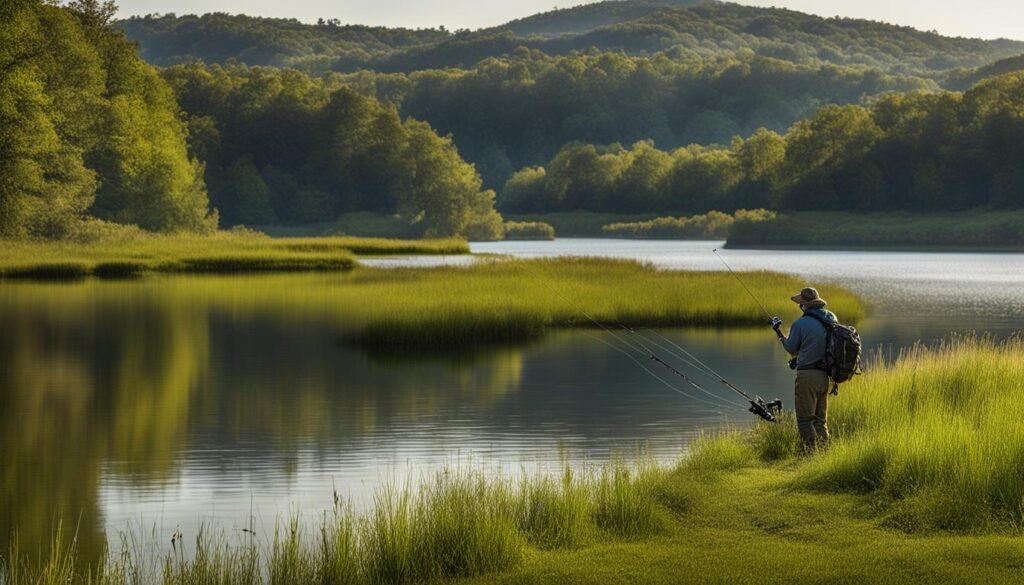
(132,254)
(921,485)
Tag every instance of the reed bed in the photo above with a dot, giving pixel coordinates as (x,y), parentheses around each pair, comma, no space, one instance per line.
(461,523)
(226,252)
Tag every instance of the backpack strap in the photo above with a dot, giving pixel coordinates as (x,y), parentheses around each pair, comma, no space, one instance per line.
(830,328)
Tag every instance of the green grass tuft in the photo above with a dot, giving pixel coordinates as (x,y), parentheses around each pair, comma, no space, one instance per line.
(555,513)
(625,503)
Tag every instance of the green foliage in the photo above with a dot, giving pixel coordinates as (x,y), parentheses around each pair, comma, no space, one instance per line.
(913,152)
(85,126)
(529,230)
(218,37)
(713,225)
(286,148)
(680,28)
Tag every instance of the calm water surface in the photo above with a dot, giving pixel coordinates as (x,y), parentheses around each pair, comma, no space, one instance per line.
(173,402)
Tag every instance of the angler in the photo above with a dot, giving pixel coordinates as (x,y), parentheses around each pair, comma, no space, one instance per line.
(809,343)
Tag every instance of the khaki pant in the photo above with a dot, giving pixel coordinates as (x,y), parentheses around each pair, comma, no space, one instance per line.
(811,402)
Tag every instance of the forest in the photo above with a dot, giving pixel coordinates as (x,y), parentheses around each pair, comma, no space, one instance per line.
(921,151)
(89,132)
(648,107)
(679,29)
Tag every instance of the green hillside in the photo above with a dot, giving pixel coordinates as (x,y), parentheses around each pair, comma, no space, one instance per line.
(678,28)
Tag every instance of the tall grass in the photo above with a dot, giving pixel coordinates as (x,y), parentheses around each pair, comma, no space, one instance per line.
(937,435)
(496,301)
(624,499)
(461,523)
(713,225)
(224,252)
(555,512)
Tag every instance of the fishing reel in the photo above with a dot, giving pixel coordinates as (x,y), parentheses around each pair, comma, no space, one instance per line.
(768,411)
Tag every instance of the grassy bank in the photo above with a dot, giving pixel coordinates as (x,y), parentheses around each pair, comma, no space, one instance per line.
(506,301)
(224,252)
(523,230)
(579,224)
(983,230)
(922,485)
(713,225)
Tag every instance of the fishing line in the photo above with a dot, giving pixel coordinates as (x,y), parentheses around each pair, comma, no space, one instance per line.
(659,378)
(757,406)
(737,277)
(706,367)
(653,357)
(710,375)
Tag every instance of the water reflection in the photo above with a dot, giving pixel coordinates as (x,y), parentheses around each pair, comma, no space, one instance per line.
(180,401)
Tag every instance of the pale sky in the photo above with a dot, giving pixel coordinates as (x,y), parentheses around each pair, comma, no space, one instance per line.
(973,18)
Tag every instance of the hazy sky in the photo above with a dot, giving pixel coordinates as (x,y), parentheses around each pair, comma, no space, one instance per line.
(977,18)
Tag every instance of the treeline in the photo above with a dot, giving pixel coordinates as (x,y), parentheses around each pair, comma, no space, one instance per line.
(90,131)
(219,38)
(679,29)
(508,113)
(916,152)
(86,127)
(283,148)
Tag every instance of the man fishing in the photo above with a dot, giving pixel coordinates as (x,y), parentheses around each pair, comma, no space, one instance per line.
(807,342)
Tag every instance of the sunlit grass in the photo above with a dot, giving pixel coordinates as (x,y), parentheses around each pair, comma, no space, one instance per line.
(516,300)
(938,435)
(225,252)
(460,523)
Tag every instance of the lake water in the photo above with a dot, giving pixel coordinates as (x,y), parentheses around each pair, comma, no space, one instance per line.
(174,402)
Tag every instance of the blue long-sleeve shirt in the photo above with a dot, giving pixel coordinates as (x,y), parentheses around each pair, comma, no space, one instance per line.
(807,338)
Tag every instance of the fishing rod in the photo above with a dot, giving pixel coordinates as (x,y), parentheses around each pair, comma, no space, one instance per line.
(765,410)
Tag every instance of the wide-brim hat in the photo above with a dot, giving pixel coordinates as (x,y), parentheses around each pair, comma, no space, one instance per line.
(809,296)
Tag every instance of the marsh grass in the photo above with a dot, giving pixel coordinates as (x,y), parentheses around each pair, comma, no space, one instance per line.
(133,254)
(713,453)
(936,436)
(529,230)
(624,503)
(555,512)
(462,522)
(496,301)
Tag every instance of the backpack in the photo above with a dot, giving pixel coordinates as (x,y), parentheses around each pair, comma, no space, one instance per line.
(842,352)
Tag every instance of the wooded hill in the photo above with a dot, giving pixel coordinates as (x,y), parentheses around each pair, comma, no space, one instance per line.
(678,28)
